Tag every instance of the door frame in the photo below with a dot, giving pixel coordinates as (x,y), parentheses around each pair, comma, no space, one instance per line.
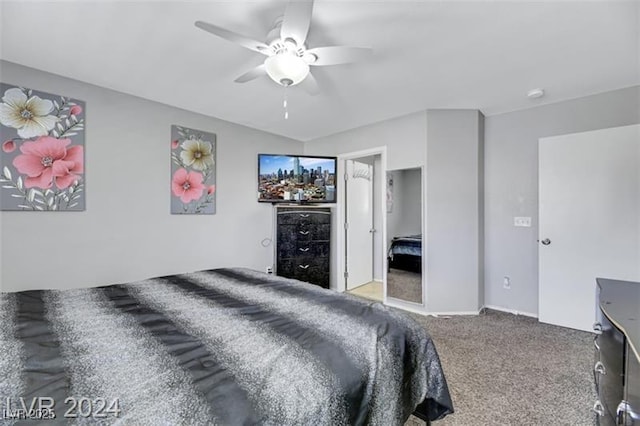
(341,200)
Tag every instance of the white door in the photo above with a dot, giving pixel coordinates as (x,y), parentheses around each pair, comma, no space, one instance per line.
(359,227)
(589,188)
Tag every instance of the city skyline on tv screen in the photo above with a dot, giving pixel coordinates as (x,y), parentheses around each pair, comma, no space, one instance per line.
(270,164)
(296,178)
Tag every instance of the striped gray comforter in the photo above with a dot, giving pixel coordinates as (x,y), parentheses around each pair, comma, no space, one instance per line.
(225,346)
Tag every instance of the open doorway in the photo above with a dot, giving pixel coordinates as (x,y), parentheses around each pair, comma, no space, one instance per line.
(362,225)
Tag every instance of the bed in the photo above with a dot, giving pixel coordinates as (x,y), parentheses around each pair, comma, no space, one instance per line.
(406,253)
(223,346)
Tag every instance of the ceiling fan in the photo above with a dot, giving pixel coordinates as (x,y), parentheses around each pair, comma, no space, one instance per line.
(288,58)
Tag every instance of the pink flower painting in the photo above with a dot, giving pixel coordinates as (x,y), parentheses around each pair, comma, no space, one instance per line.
(46,160)
(42,158)
(187,185)
(70,168)
(193,165)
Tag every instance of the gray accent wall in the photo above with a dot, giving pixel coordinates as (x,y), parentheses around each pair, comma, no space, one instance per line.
(454,219)
(127,232)
(511,185)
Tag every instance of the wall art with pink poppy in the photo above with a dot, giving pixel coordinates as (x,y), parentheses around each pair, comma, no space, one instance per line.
(42,157)
(193,171)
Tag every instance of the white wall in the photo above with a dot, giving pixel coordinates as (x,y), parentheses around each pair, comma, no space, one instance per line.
(511,185)
(127,233)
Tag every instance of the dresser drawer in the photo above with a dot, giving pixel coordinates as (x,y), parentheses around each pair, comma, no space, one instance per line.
(294,233)
(308,269)
(303,217)
(294,249)
(610,378)
(631,414)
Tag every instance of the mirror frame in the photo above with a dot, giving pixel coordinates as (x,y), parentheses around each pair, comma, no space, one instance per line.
(399,303)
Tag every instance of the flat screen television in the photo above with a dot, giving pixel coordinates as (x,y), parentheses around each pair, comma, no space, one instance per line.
(296,179)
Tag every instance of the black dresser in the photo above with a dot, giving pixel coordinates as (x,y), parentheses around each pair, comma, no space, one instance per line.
(303,240)
(617,363)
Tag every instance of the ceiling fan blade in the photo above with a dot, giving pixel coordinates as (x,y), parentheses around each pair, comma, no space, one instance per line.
(335,55)
(258,71)
(233,37)
(310,85)
(296,21)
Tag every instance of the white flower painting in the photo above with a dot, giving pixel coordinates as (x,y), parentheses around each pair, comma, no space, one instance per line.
(197,154)
(29,115)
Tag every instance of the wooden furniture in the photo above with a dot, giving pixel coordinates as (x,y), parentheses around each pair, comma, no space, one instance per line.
(303,240)
(617,356)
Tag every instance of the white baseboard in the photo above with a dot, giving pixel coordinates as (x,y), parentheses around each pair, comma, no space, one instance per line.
(511,311)
(405,306)
(453,313)
(419,309)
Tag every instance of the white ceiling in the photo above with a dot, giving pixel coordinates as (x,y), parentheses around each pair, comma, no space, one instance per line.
(427,54)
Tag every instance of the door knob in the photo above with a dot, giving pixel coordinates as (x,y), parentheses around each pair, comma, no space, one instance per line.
(546,242)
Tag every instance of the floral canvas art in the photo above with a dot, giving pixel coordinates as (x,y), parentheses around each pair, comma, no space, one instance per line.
(193,171)
(42,157)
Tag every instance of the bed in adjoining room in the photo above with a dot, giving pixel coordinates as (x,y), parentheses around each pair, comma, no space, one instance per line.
(404,268)
(224,346)
(405,253)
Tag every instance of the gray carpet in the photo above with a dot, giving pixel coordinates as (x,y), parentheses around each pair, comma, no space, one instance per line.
(504,369)
(404,285)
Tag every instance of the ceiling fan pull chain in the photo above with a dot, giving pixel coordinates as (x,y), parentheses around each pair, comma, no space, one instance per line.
(284,104)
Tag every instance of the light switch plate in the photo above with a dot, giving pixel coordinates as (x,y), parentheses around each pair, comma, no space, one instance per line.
(522,221)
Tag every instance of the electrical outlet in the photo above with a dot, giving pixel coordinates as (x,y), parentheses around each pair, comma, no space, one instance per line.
(506,283)
(269,270)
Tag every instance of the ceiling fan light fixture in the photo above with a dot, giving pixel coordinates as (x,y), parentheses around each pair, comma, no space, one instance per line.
(309,58)
(286,68)
(290,44)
